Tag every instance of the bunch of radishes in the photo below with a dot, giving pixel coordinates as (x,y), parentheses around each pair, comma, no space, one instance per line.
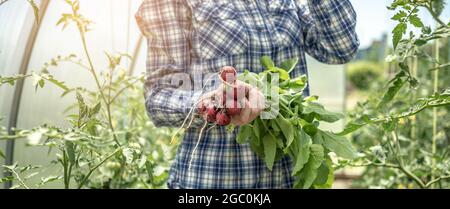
(221,106)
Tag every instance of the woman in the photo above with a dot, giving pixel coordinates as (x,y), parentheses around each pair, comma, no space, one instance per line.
(188,39)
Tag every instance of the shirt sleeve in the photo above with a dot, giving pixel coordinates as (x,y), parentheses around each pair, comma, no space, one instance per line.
(168,93)
(329,30)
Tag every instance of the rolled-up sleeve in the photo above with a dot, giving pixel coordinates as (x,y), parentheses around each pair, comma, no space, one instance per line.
(168,96)
(329,30)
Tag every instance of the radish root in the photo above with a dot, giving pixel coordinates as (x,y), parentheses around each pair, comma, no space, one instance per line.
(196,145)
(189,115)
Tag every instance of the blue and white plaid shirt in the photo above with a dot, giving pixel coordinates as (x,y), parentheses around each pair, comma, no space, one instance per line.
(187,37)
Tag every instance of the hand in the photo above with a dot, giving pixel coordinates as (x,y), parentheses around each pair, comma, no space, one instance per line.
(252,105)
(248,99)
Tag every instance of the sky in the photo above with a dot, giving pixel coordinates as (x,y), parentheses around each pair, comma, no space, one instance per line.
(374,19)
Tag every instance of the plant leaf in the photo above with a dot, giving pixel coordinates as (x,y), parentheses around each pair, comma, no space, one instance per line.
(397,33)
(304,142)
(416,21)
(329,179)
(337,144)
(287,129)
(270,150)
(322,174)
(314,162)
(351,127)
(289,64)
(267,62)
(128,154)
(6,179)
(321,113)
(48,180)
(70,149)
(2,155)
(398,83)
(244,133)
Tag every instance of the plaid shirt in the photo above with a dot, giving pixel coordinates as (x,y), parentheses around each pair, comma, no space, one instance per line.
(196,37)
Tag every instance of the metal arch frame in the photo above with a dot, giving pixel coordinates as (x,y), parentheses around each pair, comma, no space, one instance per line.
(15,105)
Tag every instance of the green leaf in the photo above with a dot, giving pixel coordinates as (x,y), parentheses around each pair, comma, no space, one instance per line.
(321,113)
(6,179)
(304,142)
(128,153)
(257,146)
(11,80)
(142,161)
(250,78)
(298,83)
(48,180)
(420,42)
(400,15)
(267,62)
(397,33)
(289,64)
(283,74)
(438,6)
(149,169)
(351,127)
(270,150)
(398,83)
(287,128)
(27,168)
(314,162)
(2,155)
(70,149)
(57,83)
(337,144)
(416,21)
(95,110)
(390,125)
(244,133)
(258,127)
(329,179)
(322,174)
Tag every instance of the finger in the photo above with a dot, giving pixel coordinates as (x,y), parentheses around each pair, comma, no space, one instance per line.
(244,116)
(256,99)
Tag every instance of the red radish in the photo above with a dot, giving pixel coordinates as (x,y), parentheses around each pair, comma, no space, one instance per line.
(223,119)
(228,74)
(233,111)
(211,114)
(232,108)
(201,108)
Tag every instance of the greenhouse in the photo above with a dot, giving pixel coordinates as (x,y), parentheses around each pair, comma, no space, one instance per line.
(73,112)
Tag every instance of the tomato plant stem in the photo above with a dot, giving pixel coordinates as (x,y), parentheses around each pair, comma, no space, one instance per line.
(64,163)
(97,82)
(414,98)
(95,167)
(402,164)
(21,182)
(435,89)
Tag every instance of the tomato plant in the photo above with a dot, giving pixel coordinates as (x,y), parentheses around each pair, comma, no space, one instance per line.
(404,129)
(108,144)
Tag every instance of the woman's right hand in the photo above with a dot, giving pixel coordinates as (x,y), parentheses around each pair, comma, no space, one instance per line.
(250,101)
